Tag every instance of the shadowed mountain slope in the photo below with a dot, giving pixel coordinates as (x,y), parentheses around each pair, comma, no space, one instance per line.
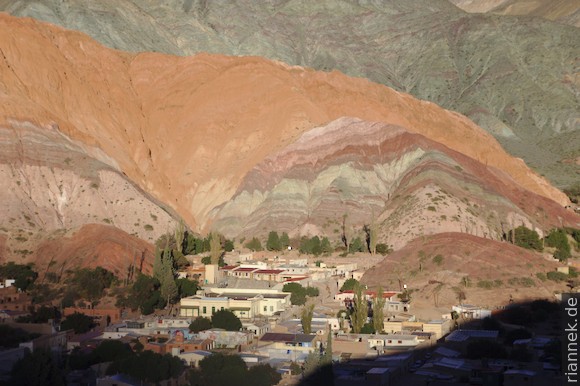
(515,76)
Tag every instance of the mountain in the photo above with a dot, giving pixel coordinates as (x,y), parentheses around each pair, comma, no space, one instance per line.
(187,130)
(352,173)
(515,76)
(562,11)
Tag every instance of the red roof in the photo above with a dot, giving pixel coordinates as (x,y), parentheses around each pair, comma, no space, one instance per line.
(270,271)
(246,269)
(229,267)
(296,278)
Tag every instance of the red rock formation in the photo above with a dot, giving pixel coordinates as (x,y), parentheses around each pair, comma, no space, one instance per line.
(95,246)
(187,129)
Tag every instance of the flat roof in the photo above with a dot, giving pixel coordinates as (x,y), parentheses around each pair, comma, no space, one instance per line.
(286,337)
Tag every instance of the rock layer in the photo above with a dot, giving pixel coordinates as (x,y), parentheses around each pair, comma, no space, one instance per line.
(406,183)
(52,185)
(187,129)
(515,76)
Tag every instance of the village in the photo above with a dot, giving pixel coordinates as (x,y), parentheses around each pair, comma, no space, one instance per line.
(406,348)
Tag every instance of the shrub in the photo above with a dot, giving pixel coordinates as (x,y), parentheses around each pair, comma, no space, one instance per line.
(438,259)
(556,276)
(382,249)
(525,238)
(349,285)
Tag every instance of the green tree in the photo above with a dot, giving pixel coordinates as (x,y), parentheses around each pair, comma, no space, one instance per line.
(558,238)
(200,324)
(273,243)
(37,369)
(215,247)
(227,320)
(144,295)
(78,322)
(525,238)
(179,235)
(306,318)
(219,370)
(90,284)
(168,288)
(285,240)
(229,245)
(24,275)
(378,310)
(325,246)
(311,246)
(356,245)
(11,337)
(349,285)
(254,245)
(368,328)
(148,366)
(187,287)
(109,351)
(263,375)
(359,316)
(298,293)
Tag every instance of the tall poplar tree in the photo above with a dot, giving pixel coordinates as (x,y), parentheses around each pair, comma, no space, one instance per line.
(361,309)
(378,310)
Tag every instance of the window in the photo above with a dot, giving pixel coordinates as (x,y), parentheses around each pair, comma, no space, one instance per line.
(271,308)
(265,308)
(390,341)
(204,310)
(399,341)
(213,310)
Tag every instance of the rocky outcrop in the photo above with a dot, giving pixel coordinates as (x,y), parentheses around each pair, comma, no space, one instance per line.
(359,172)
(188,129)
(515,76)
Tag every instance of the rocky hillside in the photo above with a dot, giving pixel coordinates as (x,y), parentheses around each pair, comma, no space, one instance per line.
(408,184)
(562,11)
(188,129)
(448,268)
(517,77)
(53,186)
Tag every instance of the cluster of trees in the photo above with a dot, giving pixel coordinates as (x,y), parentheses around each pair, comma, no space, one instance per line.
(317,245)
(362,309)
(88,284)
(299,293)
(225,319)
(11,337)
(224,370)
(78,322)
(148,293)
(557,238)
(23,274)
